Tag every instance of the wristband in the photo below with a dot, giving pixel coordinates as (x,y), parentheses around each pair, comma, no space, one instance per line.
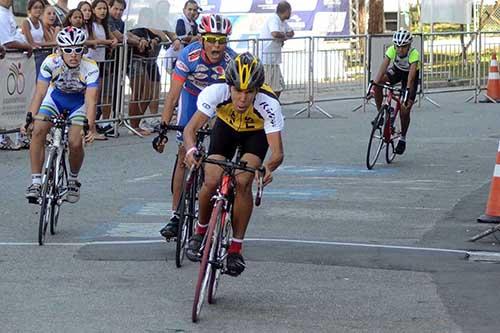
(190,150)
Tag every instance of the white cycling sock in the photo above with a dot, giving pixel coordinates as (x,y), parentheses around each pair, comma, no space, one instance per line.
(402,138)
(36,178)
(73,176)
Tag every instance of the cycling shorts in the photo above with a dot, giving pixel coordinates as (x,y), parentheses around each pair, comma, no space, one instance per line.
(186,109)
(395,75)
(225,139)
(56,101)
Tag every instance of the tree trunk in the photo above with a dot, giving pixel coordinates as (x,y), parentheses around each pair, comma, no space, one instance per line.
(376,17)
(362,17)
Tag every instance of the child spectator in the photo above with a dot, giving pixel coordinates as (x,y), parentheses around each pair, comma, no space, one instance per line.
(32,29)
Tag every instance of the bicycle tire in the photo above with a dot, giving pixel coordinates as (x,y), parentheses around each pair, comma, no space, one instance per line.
(46,201)
(222,247)
(376,141)
(62,180)
(390,154)
(182,230)
(205,266)
(173,174)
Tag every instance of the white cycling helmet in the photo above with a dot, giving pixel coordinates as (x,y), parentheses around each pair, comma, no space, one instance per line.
(215,24)
(402,37)
(71,36)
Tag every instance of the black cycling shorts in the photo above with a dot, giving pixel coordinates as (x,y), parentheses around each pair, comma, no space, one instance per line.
(224,140)
(395,75)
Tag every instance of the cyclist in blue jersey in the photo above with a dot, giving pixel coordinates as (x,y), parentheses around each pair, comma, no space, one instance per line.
(199,65)
(68,81)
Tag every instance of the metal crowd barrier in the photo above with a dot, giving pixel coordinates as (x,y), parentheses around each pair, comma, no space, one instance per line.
(315,69)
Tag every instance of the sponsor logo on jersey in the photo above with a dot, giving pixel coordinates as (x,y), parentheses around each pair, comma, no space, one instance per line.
(193,56)
(182,66)
(227,56)
(215,76)
(201,68)
(200,76)
(218,69)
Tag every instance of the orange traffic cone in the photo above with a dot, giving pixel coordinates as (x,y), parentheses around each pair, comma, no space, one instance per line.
(492,214)
(493,87)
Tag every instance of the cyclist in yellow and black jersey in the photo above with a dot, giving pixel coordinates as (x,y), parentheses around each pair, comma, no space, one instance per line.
(248,114)
(401,64)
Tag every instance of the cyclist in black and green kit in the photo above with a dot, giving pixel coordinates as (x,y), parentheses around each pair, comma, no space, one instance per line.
(401,64)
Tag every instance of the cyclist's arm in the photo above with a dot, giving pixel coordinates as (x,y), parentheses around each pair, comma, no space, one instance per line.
(91,97)
(412,76)
(40,92)
(171,99)
(277,154)
(195,123)
(382,70)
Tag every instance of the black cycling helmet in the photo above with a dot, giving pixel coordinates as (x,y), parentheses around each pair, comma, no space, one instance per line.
(245,72)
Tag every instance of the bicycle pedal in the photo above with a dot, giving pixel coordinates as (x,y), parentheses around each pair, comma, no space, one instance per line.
(33,201)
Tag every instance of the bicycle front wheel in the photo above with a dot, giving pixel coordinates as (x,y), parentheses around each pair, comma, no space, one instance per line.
(207,261)
(376,141)
(390,153)
(59,187)
(46,196)
(221,246)
(183,228)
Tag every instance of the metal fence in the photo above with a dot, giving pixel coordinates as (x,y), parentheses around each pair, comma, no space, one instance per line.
(315,69)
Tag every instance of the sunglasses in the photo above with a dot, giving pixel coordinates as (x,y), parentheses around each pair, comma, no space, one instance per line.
(213,39)
(69,50)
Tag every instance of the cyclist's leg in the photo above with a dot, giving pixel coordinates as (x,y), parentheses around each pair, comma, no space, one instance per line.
(76,152)
(254,151)
(41,128)
(222,146)
(378,90)
(405,109)
(187,107)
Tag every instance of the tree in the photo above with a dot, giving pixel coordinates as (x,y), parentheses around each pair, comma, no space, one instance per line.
(376,17)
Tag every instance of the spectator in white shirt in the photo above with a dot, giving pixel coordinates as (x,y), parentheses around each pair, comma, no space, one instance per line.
(11,38)
(278,29)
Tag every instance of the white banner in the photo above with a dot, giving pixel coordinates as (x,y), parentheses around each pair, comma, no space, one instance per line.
(17,84)
(446,11)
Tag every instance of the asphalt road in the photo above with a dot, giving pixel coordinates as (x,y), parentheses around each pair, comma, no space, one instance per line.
(333,248)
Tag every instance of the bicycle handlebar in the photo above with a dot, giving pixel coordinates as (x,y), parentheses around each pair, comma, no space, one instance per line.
(403,93)
(229,166)
(161,140)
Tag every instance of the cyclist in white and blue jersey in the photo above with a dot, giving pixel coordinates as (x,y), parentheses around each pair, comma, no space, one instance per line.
(67,81)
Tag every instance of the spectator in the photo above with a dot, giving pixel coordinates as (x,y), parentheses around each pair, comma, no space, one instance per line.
(50,30)
(101,36)
(32,28)
(278,29)
(86,9)
(2,52)
(74,19)
(61,8)
(186,31)
(11,38)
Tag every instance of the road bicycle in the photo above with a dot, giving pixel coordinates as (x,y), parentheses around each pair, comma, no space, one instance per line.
(187,209)
(217,238)
(386,128)
(54,175)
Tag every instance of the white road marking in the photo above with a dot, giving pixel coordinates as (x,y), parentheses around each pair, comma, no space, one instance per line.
(471,254)
(140,179)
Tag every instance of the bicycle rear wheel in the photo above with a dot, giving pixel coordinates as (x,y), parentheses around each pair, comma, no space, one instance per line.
(222,246)
(60,185)
(376,141)
(207,260)
(46,196)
